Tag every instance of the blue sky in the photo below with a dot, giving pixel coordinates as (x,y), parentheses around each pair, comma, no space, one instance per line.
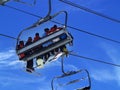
(104,77)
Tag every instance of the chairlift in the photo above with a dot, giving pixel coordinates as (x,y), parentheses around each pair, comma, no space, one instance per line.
(2,2)
(77,80)
(68,74)
(53,37)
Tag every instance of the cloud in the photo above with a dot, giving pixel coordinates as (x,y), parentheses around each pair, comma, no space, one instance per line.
(71,67)
(15,79)
(14,63)
(67,67)
(11,73)
(114,54)
(102,75)
(6,55)
(8,59)
(45,86)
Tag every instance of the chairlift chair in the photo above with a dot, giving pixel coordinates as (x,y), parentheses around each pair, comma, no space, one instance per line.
(43,40)
(74,81)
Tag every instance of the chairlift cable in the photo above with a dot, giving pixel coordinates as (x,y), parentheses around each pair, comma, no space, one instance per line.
(8,36)
(88,58)
(90,10)
(96,35)
(77,29)
(96,60)
(89,33)
(22,11)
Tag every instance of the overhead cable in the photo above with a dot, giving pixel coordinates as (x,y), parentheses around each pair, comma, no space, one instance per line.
(96,60)
(90,10)
(83,31)
(22,11)
(89,33)
(8,36)
(88,58)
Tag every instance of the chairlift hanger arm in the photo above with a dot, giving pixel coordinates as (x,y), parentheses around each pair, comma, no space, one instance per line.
(50,8)
(66,73)
(74,72)
(47,18)
(42,20)
(52,83)
(66,16)
(89,80)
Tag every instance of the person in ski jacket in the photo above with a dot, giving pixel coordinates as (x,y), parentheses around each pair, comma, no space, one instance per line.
(29,65)
(20,46)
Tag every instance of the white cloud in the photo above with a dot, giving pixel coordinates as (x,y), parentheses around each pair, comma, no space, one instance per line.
(6,55)
(14,63)
(13,79)
(12,75)
(114,54)
(71,67)
(9,59)
(102,75)
(57,63)
(45,86)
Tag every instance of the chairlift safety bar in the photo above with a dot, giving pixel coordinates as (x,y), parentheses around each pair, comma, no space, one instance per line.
(48,49)
(41,41)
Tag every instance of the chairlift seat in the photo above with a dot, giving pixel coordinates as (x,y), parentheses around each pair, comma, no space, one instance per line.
(70,78)
(48,48)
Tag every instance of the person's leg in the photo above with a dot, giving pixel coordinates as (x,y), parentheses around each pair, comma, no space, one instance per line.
(47,55)
(29,66)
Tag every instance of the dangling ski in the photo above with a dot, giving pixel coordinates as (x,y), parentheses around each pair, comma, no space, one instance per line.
(55,57)
(59,54)
(30,71)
